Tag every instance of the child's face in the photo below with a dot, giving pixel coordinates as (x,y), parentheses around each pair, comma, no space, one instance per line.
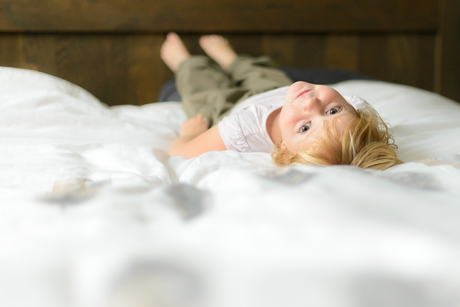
(307,108)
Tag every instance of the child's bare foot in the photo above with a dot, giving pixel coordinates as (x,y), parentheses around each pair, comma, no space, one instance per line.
(173,51)
(219,49)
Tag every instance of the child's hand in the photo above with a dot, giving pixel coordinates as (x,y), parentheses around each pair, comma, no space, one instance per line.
(194,126)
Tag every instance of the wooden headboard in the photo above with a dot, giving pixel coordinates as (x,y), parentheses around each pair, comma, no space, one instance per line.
(111,47)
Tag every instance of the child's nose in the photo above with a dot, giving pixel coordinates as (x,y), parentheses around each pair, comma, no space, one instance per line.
(311,105)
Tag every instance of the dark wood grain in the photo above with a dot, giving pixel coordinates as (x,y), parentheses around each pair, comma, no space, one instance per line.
(342,52)
(111,47)
(373,55)
(447,72)
(117,69)
(127,69)
(402,64)
(267,16)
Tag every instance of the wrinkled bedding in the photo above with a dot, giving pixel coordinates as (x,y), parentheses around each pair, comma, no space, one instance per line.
(94,212)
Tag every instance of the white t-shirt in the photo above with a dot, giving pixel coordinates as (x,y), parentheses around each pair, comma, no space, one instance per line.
(245,129)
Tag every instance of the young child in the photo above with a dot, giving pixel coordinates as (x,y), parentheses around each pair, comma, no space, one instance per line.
(246,104)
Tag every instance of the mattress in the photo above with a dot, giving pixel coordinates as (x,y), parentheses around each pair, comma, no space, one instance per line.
(94,212)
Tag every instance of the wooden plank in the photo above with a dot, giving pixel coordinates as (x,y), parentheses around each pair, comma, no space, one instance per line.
(146,72)
(447,71)
(372,56)
(399,58)
(247,44)
(296,50)
(117,69)
(127,69)
(410,61)
(17,50)
(400,61)
(86,61)
(218,16)
(342,52)
(37,51)
(426,62)
(9,50)
(309,51)
(279,48)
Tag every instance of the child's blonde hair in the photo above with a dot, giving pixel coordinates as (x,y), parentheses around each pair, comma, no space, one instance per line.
(366,142)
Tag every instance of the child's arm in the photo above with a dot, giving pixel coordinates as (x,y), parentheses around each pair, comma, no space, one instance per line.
(195,139)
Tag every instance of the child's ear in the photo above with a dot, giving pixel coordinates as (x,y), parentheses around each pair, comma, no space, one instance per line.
(283,146)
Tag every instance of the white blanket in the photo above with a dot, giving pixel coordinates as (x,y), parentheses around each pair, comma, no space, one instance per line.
(141,228)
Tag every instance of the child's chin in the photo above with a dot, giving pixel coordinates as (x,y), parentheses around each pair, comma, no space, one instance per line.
(299,86)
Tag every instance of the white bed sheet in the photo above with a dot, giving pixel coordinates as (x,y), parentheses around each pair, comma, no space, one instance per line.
(225,228)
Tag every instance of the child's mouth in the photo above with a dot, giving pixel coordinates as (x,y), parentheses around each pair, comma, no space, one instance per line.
(301,93)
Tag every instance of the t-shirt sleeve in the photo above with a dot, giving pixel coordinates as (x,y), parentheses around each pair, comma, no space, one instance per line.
(232,133)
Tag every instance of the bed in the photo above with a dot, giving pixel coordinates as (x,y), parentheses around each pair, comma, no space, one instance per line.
(94,212)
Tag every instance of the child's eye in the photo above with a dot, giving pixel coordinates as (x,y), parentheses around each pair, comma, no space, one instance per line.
(305,127)
(333,111)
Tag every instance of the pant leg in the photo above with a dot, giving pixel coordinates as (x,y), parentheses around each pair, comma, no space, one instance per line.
(198,74)
(206,89)
(257,74)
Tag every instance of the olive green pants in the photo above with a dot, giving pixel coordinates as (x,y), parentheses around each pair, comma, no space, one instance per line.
(207,89)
